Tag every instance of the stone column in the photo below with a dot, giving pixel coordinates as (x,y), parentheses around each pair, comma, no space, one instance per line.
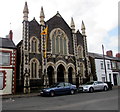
(66,77)
(74,78)
(55,76)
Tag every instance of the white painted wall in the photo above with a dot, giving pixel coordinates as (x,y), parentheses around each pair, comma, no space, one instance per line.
(9,74)
(8,87)
(101,72)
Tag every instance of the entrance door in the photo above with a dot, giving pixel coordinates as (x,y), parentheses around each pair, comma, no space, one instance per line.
(50,72)
(70,70)
(115,79)
(60,73)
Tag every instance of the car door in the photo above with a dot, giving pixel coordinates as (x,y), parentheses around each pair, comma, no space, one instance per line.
(67,88)
(59,88)
(96,86)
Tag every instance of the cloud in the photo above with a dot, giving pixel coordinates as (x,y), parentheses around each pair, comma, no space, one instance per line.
(99,16)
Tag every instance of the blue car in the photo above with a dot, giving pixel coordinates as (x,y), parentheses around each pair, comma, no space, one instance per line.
(59,89)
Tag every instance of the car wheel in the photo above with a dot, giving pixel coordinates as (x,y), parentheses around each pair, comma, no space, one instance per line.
(52,93)
(72,92)
(105,88)
(91,90)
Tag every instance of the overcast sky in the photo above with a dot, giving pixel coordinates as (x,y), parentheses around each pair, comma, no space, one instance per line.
(100,18)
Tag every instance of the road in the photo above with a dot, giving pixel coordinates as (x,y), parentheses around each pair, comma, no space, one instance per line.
(80,101)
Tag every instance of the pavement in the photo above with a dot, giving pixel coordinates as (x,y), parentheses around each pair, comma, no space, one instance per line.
(20,95)
(27,95)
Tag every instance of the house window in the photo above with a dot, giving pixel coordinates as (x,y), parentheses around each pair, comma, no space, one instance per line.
(59,42)
(102,66)
(108,65)
(113,65)
(4,58)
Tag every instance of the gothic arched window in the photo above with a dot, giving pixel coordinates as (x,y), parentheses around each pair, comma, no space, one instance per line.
(34,44)
(59,42)
(80,51)
(82,69)
(34,69)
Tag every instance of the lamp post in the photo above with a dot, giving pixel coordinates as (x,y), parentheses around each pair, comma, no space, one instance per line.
(104,62)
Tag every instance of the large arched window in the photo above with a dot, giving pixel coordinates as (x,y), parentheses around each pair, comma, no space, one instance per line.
(80,51)
(82,69)
(34,43)
(34,69)
(59,42)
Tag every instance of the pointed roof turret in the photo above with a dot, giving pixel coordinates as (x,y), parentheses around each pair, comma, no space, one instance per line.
(42,16)
(83,28)
(25,12)
(72,25)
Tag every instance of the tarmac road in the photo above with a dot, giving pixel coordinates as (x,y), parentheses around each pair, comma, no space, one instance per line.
(81,101)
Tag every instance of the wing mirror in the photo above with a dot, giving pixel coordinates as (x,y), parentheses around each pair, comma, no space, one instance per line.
(58,86)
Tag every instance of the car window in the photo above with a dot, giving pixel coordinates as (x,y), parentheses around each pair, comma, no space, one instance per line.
(89,83)
(61,84)
(100,82)
(67,84)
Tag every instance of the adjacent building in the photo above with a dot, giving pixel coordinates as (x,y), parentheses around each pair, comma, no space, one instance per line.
(105,68)
(7,65)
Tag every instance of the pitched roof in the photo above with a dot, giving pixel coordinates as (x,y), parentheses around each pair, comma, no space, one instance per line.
(100,56)
(7,43)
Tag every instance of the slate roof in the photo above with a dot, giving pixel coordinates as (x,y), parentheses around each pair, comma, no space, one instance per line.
(7,43)
(100,56)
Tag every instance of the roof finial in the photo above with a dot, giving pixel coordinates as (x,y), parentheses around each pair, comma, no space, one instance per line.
(42,16)
(83,28)
(25,12)
(72,25)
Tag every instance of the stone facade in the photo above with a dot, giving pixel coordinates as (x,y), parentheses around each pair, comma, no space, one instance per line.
(66,53)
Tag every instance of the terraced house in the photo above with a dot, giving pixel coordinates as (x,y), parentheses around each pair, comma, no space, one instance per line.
(51,51)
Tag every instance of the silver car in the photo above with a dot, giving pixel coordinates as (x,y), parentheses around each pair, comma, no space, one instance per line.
(93,86)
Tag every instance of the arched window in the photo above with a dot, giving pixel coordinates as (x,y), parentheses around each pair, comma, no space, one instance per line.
(34,69)
(34,43)
(82,69)
(80,51)
(59,42)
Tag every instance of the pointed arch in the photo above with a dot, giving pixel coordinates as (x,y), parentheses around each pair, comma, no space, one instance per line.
(80,51)
(82,68)
(59,42)
(34,45)
(34,68)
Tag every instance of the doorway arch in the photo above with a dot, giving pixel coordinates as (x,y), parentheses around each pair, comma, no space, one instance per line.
(60,73)
(70,72)
(50,73)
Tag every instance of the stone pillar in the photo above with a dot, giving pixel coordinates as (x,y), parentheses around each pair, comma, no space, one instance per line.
(55,76)
(26,83)
(74,78)
(66,77)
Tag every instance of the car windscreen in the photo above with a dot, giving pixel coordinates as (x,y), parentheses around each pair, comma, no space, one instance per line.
(54,85)
(89,83)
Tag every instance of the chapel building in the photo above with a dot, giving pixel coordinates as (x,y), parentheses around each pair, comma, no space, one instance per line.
(51,51)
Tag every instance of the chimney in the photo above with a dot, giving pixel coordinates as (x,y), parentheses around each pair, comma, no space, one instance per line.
(109,53)
(11,35)
(118,55)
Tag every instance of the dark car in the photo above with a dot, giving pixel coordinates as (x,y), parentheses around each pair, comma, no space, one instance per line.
(59,89)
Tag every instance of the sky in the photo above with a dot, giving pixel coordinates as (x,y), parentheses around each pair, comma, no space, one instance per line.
(100,18)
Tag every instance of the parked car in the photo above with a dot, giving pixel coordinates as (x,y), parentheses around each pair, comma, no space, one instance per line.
(93,86)
(58,89)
